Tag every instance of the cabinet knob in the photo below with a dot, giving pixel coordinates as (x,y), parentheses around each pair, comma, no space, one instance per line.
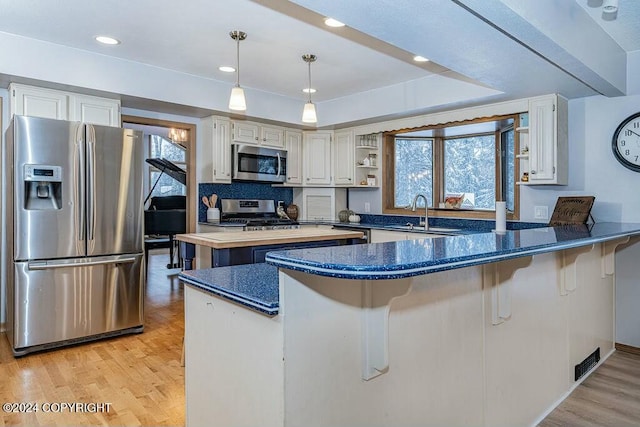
(307,179)
(533,172)
(228,174)
(256,138)
(264,139)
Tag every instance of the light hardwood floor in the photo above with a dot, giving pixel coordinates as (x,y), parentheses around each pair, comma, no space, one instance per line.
(610,396)
(140,375)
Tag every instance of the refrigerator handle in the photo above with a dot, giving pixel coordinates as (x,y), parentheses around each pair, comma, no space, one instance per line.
(79,184)
(81,262)
(91,182)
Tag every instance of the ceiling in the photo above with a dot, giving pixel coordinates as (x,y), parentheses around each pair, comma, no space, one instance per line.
(486,49)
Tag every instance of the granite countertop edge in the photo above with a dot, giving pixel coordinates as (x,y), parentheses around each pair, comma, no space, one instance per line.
(254,286)
(307,260)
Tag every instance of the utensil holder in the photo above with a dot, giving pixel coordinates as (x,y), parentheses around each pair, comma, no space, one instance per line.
(213,215)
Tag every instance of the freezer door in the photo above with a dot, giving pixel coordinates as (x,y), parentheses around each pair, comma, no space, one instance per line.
(115,213)
(47,210)
(62,300)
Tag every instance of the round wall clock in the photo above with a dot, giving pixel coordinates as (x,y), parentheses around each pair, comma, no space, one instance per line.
(626,142)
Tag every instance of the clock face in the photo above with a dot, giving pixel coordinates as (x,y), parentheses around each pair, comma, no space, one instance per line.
(626,142)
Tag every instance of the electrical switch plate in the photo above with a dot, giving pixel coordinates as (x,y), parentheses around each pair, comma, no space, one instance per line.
(541,212)
(367,207)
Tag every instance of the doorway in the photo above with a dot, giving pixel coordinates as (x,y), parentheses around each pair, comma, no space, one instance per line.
(170,144)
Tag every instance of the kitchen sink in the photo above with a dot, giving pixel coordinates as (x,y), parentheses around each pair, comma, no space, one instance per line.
(420,229)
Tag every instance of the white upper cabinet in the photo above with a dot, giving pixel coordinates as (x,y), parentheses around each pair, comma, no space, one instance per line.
(272,136)
(54,104)
(343,158)
(258,134)
(547,141)
(38,102)
(317,158)
(245,132)
(94,110)
(293,146)
(221,150)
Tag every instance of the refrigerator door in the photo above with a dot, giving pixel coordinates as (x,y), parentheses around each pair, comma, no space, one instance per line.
(47,207)
(62,300)
(115,213)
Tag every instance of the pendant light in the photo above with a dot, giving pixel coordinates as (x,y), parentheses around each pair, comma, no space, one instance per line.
(237,101)
(309,112)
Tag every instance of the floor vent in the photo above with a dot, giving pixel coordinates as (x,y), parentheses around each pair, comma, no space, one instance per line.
(588,363)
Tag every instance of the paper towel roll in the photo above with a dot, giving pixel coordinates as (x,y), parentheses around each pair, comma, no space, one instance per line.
(501,216)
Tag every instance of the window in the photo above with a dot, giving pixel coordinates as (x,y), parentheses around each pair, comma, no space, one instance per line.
(415,176)
(162,148)
(472,163)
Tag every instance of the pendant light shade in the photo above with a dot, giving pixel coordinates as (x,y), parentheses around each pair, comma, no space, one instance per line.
(309,112)
(237,101)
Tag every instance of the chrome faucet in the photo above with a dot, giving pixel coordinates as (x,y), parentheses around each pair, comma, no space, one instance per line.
(426,210)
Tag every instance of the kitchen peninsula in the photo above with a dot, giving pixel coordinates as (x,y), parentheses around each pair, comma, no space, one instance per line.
(480,329)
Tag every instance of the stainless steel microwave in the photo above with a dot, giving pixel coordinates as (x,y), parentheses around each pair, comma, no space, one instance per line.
(251,163)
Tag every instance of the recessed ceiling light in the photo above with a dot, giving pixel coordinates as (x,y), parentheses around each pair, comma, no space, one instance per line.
(330,22)
(419,58)
(309,90)
(107,40)
(227,69)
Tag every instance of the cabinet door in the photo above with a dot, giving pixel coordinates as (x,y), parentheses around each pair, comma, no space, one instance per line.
(94,110)
(317,158)
(38,102)
(246,132)
(222,150)
(294,156)
(542,140)
(344,165)
(272,136)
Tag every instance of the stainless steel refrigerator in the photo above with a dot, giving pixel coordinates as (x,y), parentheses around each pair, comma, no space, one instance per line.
(73,238)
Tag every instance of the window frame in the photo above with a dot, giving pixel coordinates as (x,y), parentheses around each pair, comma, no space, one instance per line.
(388,170)
(151,169)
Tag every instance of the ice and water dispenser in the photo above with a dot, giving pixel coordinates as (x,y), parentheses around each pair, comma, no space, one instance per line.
(42,187)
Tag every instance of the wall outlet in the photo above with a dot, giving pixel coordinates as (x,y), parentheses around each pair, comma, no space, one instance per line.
(367,207)
(541,212)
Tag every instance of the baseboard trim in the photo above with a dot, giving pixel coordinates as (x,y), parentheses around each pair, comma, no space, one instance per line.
(628,349)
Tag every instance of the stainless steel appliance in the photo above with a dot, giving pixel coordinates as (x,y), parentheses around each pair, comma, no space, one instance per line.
(253,214)
(73,243)
(251,163)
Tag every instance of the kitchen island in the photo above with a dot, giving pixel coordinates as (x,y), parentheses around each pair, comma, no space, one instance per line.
(482,329)
(251,246)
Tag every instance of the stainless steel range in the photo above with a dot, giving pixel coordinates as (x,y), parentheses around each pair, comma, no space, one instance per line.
(255,214)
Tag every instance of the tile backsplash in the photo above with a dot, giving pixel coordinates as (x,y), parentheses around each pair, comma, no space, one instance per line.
(241,190)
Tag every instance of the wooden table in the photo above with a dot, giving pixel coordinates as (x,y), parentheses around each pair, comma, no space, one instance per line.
(250,246)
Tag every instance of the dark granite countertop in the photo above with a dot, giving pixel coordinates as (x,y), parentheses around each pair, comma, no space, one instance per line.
(407,258)
(253,285)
